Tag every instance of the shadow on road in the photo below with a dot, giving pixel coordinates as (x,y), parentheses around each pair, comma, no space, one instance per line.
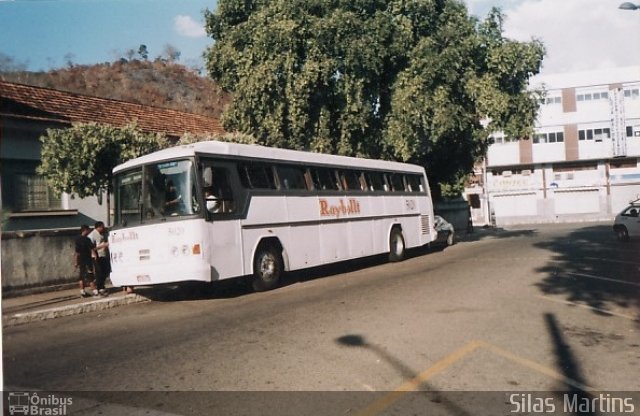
(241,286)
(358,341)
(484,233)
(567,364)
(589,266)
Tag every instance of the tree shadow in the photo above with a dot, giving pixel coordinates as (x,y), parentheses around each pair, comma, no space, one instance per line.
(567,365)
(433,395)
(485,233)
(589,266)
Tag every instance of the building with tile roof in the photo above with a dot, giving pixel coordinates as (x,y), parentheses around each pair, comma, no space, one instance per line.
(25,114)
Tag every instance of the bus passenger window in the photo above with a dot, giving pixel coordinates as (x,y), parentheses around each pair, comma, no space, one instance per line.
(292,177)
(351,179)
(397,184)
(256,176)
(375,181)
(218,193)
(414,183)
(324,179)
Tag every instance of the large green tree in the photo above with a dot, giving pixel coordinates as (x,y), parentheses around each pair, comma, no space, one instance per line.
(79,160)
(408,80)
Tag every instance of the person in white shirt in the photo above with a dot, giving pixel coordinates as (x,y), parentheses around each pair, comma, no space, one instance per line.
(101,256)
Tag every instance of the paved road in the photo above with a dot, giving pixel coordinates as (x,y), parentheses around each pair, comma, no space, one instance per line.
(539,308)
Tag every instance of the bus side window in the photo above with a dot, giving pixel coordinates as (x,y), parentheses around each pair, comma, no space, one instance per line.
(375,181)
(256,176)
(397,184)
(351,180)
(324,179)
(414,183)
(218,193)
(292,177)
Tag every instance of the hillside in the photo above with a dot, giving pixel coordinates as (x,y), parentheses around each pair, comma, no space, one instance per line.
(158,83)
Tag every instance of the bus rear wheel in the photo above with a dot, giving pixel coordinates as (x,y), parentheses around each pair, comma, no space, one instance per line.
(396,245)
(267,268)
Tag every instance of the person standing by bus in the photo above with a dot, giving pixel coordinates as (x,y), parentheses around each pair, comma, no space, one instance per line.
(83,261)
(102,263)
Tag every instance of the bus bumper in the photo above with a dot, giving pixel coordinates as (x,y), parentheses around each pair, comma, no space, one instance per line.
(159,274)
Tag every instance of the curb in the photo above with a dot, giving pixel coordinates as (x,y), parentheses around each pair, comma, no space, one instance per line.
(69,310)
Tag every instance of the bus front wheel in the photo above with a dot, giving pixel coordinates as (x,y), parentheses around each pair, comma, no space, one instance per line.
(396,245)
(267,268)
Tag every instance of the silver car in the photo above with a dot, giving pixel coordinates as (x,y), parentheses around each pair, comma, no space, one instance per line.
(446,232)
(627,223)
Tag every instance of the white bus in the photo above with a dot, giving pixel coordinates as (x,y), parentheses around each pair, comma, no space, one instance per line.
(214,210)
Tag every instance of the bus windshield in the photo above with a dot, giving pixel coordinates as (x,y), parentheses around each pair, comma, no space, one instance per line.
(155,192)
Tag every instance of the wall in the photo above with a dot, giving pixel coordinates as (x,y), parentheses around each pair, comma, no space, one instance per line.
(37,259)
(456,212)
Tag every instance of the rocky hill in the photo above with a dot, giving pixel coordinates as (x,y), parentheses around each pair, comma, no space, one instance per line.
(158,83)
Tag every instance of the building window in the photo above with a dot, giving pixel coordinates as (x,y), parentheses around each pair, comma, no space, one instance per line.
(33,194)
(574,167)
(594,134)
(633,93)
(551,100)
(552,137)
(500,139)
(624,163)
(593,96)
(474,201)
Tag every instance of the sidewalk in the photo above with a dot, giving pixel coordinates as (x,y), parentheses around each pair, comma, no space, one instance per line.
(56,303)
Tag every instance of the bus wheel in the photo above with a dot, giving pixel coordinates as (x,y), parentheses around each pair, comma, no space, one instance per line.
(267,268)
(396,245)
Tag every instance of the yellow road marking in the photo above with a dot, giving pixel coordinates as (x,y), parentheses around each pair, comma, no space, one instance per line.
(535,366)
(412,385)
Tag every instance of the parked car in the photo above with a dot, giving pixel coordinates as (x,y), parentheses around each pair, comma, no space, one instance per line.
(446,232)
(627,223)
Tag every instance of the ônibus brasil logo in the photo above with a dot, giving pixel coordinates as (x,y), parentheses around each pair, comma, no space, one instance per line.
(38,404)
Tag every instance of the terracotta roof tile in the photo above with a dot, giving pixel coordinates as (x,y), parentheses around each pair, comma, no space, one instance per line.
(78,108)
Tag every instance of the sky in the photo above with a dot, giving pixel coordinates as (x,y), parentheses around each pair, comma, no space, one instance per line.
(44,34)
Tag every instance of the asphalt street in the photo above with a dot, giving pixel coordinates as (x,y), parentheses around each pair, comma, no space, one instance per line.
(539,308)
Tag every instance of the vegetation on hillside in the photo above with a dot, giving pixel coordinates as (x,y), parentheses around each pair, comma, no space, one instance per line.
(162,82)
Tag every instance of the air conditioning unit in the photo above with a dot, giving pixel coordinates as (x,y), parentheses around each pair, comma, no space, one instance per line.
(507,173)
(526,172)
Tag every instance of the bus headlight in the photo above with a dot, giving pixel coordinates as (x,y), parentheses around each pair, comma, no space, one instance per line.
(186,250)
(116,257)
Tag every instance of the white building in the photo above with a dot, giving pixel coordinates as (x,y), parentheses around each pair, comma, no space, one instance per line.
(583,161)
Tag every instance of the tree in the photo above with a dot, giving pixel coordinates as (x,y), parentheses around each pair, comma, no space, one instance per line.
(9,64)
(143,52)
(171,53)
(393,79)
(226,137)
(79,160)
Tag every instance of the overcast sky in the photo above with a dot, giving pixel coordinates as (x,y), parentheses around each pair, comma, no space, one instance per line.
(578,34)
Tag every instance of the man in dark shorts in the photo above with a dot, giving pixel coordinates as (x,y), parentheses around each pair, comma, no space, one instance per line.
(83,261)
